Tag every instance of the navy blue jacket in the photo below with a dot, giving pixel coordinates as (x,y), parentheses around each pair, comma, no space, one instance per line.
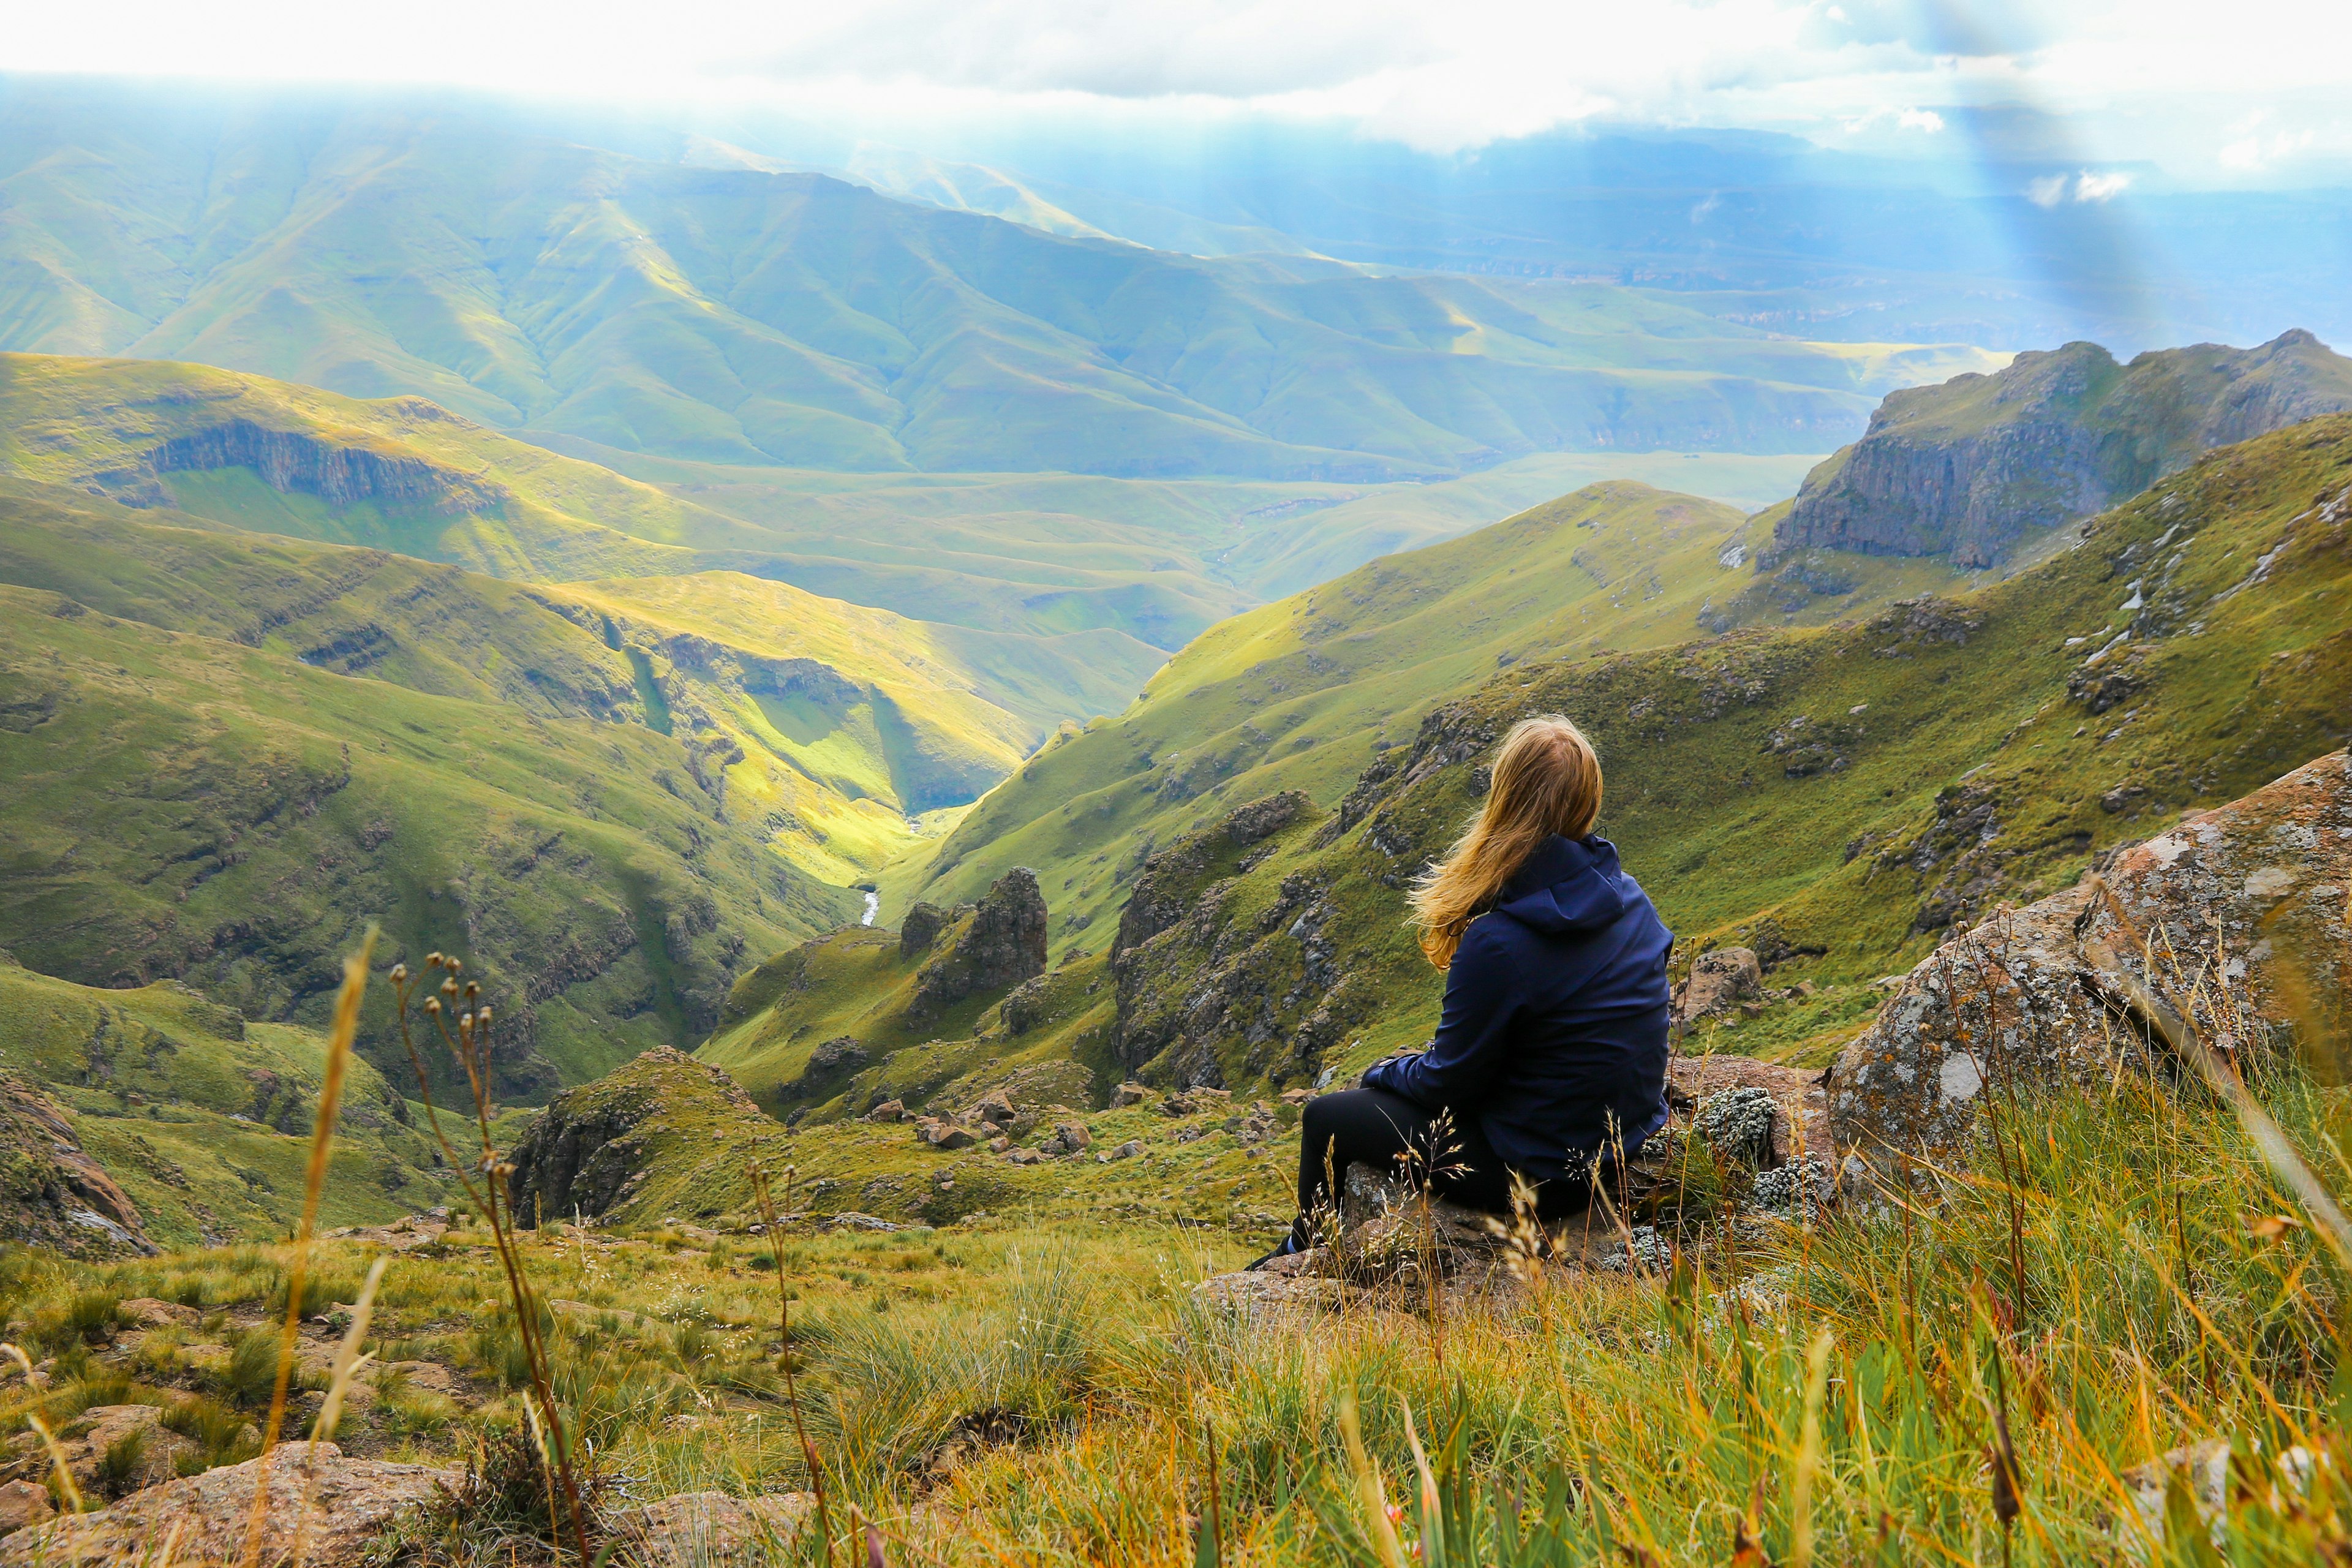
(1555,1020)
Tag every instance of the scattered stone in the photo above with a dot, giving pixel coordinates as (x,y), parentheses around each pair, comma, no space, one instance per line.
(995,1109)
(712,1529)
(1026,1157)
(888,1110)
(999,1144)
(850,1219)
(1126,1151)
(1296,1098)
(404,1235)
(1719,980)
(349,1501)
(2205,1467)
(1127,1094)
(147,1312)
(1067,1138)
(1253,1127)
(129,1429)
(944,1135)
(22,1504)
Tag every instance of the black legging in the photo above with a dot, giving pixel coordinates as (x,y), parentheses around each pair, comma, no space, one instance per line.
(1372,1127)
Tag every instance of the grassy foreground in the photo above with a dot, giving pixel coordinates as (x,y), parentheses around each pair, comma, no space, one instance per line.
(1029,1389)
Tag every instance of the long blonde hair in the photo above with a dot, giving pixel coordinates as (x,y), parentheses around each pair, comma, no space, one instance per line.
(1546,780)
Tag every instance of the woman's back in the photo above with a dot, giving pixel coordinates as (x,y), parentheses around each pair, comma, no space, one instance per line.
(1554,1032)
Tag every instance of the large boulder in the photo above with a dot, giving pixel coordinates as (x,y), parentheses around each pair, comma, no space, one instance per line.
(1720,979)
(1001,944)
(2244,909)
(338,1505)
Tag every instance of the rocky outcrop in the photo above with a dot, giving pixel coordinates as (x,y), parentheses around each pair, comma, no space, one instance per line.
(1000,945)
(1215,985)
(921,928)
(1173,879)
(334,1508)
(110,1450)
(2248,912)
(52,1192)
(592,1150)
(1970,469)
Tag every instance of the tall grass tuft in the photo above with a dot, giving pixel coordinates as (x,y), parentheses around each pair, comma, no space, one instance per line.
(461,1019)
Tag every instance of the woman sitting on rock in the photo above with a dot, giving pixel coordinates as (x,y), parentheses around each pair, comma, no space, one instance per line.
(1550,1053)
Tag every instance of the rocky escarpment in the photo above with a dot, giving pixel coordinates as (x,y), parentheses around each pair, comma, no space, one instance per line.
(1220,979)
(52,1194)
(1973,468)
(999,944)
(663,1134)
(2246,910)
(338,472)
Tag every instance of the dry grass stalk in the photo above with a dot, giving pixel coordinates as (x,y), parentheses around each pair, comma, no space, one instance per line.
(1378,1526)
(1809,1451)
(32,1417)
(314,1183)
(484,1180)
(784,1325)
(348,1363)
(2179,1031)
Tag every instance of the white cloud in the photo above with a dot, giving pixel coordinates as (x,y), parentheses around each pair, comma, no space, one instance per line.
(2091,187)
(2106,187)
(1441,74)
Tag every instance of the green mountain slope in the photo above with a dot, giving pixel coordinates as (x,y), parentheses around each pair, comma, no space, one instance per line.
(204,1119)
(185,807)
(744,316)
(1303,693)
(831,725)
(1837,796)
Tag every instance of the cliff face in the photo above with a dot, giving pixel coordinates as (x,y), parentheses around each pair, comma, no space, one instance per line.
(1975,467)
(340,473)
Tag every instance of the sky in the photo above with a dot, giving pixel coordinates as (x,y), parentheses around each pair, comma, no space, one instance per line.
(2251,92)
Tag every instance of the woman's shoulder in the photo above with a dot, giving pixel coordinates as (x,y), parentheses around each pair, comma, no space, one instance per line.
(1490,935)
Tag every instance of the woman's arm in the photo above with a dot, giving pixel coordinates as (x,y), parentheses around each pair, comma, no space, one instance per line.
(1462,1064)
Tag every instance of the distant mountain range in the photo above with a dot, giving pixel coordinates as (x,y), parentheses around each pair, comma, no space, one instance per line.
(580,294)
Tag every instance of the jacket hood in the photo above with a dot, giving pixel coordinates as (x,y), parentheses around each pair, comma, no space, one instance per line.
(1566,885)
